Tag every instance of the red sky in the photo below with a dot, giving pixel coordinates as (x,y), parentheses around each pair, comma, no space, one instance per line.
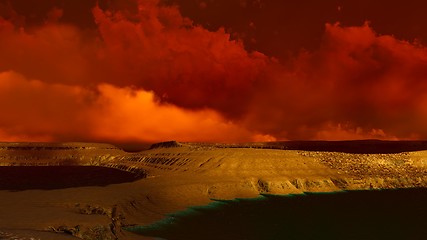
(224,71)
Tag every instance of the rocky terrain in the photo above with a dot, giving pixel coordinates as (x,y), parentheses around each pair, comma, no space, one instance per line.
(178,175)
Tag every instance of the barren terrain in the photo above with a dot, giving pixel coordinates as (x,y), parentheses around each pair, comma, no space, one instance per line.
(172,176)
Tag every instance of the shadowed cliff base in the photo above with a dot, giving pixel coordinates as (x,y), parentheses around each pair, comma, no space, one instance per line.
(57,177)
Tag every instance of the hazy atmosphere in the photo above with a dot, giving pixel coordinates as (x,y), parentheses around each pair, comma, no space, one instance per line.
(220,71)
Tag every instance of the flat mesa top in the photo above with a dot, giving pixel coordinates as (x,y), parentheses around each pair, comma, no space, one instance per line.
(350,146)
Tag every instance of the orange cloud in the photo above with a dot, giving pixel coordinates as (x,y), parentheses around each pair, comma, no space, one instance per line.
(38,111)
(136,115)
(152,75)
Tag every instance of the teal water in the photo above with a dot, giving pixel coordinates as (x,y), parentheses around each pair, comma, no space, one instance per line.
(362,215)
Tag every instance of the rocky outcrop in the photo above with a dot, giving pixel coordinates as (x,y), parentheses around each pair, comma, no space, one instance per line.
(95,231)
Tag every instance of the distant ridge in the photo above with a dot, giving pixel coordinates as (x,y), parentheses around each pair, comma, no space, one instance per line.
(370,146)
(54,146)
(168,144)
(353,146)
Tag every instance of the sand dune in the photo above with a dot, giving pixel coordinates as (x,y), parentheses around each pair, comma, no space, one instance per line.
(178,175)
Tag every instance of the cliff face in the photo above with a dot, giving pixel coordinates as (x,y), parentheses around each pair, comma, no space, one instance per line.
(46,154)
(279,171)
(230,171)
(183,174)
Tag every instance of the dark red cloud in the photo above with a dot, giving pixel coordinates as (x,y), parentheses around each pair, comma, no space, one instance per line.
(357,80)
(151,74)
(184,64)
(285,27)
